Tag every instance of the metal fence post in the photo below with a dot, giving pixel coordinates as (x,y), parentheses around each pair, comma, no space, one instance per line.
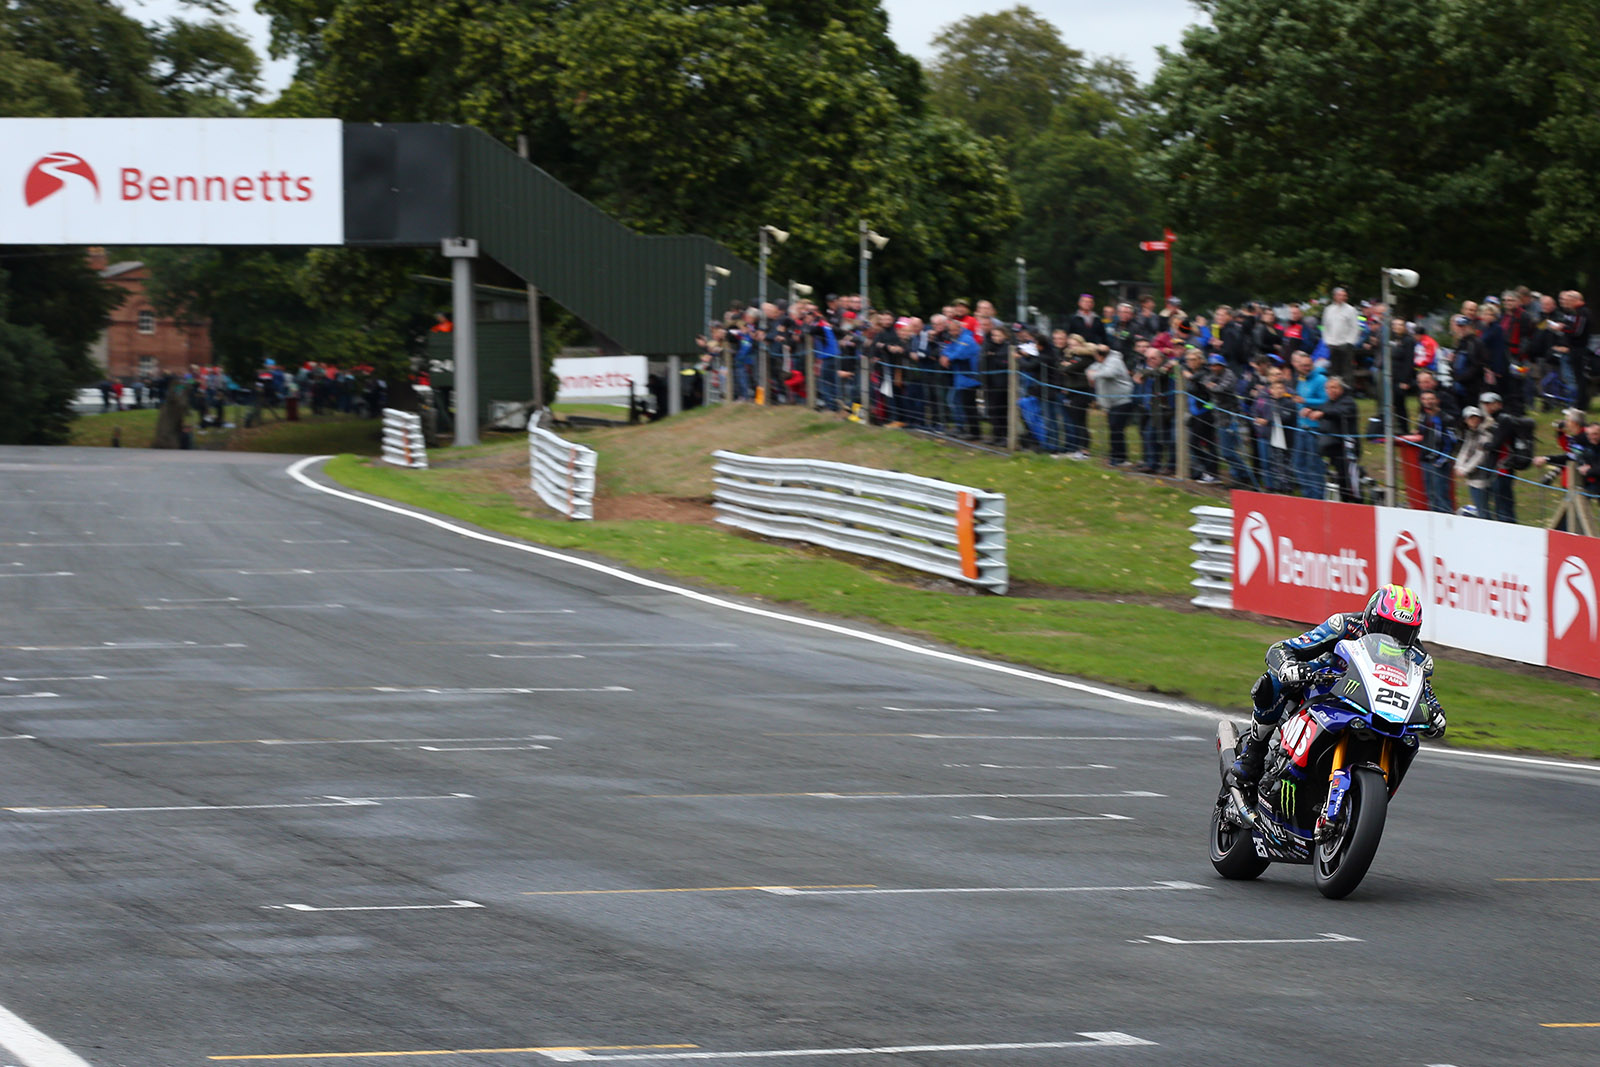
(811,373)
(1180,422)
(864,372)
(1013,415)
(674,385)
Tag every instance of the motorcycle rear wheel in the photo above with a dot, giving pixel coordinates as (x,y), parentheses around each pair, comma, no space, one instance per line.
(1233,850)
(1341,861)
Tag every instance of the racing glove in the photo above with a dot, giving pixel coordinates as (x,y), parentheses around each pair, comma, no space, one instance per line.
(1436,722)
(1293,674)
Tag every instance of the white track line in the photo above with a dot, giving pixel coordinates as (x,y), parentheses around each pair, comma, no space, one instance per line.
(296,471)
(454,905)
(32,1047)
(1097,1039)
(1158,887)
(1325,939)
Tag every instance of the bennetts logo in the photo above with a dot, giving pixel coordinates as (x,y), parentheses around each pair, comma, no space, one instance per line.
(45,177)
(1574,595)
(1405,564)
(1255,547)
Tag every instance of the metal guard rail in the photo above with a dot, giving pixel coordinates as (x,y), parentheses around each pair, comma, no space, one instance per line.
(402,439)
(1213,544)
(561,473)
(941,528)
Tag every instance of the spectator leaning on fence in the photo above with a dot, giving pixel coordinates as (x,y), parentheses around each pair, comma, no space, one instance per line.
(1113,388)
(1437,441)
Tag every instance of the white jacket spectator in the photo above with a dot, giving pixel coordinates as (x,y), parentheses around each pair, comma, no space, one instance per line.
(1341,322)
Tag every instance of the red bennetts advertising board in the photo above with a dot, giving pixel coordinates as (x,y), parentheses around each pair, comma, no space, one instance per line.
(1301,559)
(1517,592)
(1574,611)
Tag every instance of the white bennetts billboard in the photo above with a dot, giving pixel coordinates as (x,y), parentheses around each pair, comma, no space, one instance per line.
(172,181)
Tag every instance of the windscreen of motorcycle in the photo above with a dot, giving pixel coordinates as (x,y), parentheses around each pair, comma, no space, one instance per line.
(1393,680)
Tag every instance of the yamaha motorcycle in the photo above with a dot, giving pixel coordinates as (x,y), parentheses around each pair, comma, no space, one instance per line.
(1331,767)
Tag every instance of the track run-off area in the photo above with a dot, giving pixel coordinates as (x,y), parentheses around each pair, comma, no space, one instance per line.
(291,776)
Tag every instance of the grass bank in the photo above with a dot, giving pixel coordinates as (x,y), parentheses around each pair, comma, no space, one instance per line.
(1121,536)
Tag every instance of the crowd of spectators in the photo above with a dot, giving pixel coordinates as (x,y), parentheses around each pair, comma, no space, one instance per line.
(1268,395)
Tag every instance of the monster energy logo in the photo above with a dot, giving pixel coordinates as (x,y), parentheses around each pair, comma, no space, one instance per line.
(1352,685)
(1287,791)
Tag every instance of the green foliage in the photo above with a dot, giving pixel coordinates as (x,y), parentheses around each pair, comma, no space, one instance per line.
(684,118)
(1070,132)
(36,385)
(88,57)
(1306,142)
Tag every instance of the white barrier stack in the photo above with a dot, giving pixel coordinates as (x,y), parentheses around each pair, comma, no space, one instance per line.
(1213,544)
(950,530)
(402,439)
(562,474)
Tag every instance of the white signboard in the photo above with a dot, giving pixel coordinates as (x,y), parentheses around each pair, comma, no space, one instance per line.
(602,378)
(1482,583)
(172,181)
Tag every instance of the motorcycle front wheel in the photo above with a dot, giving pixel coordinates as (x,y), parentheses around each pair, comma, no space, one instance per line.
(1233,850)
(1341,860)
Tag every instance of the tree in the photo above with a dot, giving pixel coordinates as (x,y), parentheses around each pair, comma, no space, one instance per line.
(36,388)
(1003,74)
(1307,142)
(709,118)
(1070,131)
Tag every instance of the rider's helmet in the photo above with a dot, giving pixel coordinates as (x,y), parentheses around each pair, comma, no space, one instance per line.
(1395,610)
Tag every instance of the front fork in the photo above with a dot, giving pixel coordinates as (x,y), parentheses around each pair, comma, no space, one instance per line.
(1339,779)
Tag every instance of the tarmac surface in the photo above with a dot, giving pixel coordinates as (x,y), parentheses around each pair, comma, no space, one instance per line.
(289,779)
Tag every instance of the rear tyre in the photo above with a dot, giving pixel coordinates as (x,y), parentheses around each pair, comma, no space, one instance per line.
(1233,850)
(1341,861)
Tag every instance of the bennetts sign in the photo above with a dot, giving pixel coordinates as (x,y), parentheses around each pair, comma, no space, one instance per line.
(172,181)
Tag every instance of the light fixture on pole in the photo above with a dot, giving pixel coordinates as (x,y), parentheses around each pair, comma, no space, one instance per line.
(761,299)
(1405,279)
(797,290)
(876,240)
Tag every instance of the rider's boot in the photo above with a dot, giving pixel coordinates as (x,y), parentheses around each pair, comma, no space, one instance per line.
(1252,755)
(1267,697)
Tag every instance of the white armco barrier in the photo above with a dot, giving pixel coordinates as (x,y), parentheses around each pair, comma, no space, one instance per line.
(402,439)
(562,473)
(950,530)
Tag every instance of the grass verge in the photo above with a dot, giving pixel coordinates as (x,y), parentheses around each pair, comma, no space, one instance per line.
(308,435)
(1207,657)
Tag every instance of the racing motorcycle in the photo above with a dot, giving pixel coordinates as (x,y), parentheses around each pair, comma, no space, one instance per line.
(1330,769)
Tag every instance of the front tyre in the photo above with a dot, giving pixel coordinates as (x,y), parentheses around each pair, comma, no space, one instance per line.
(1233,850)
(1341,860)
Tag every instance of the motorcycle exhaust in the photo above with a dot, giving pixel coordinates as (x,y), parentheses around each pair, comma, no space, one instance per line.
(1227,752)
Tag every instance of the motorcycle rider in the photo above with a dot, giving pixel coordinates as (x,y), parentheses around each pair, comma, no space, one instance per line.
(1394,610)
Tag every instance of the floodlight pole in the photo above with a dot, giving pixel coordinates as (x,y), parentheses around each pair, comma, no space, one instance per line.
(461,251)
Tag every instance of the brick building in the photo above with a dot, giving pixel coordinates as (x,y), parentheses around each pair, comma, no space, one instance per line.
(138,342)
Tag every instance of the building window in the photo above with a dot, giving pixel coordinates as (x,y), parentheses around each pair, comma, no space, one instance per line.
(147,321)
(148,366)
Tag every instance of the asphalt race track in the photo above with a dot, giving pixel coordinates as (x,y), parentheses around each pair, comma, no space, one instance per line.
(287,779)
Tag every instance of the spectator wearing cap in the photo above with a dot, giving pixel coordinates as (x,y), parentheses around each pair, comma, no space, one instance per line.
(1473,460)
(1470,360)
(1506,430)
(1341,329)
(1437,441)
(1222,388)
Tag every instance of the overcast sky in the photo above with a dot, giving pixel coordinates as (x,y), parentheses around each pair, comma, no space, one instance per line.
(1128,28)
